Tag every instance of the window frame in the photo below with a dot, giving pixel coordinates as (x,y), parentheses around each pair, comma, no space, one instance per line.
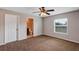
(55,26)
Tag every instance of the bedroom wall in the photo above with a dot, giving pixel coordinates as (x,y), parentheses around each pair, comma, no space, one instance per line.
(37,26)
(73,26)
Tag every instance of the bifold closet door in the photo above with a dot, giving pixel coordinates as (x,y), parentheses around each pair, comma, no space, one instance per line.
(10,28)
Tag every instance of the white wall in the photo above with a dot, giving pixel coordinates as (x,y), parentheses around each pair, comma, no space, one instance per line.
(37,26)
(23,27)
(73,26)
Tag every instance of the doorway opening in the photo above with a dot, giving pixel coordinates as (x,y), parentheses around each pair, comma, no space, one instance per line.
(29,27)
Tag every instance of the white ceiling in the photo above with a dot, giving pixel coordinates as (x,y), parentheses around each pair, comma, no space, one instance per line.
(30,10)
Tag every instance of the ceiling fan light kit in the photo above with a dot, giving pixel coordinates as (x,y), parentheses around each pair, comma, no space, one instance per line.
(43,12)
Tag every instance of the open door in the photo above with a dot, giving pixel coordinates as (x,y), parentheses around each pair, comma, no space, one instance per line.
(29,27)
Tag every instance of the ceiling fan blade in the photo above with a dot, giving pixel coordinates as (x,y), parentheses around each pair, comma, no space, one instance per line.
(50,10)
(48,13)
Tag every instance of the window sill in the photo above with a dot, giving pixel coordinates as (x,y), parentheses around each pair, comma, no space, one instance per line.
(61,33)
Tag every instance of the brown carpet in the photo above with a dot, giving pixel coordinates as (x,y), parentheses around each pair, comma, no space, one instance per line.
(41,43)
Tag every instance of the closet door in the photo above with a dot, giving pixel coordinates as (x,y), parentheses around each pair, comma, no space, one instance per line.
(10,28)
(2,26)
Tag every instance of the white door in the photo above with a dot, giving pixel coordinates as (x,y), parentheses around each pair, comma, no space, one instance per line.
(10,28)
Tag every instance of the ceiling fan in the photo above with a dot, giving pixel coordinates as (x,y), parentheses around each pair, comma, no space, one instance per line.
(43,12)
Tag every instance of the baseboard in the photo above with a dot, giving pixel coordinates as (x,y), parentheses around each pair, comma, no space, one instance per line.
(2,44)
(18,40)
(44,35)
(63,39)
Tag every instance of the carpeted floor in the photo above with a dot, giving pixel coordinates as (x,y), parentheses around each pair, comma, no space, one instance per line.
(41,43)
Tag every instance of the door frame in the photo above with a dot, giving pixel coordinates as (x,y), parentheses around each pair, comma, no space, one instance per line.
(26,25)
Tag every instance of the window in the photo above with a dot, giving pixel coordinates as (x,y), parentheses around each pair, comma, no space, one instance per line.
(61,25)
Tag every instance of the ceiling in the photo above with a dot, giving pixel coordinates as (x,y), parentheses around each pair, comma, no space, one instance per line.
(30,10)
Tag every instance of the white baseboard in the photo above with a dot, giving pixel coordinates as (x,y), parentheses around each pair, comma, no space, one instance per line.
(64,39)
(2,44)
